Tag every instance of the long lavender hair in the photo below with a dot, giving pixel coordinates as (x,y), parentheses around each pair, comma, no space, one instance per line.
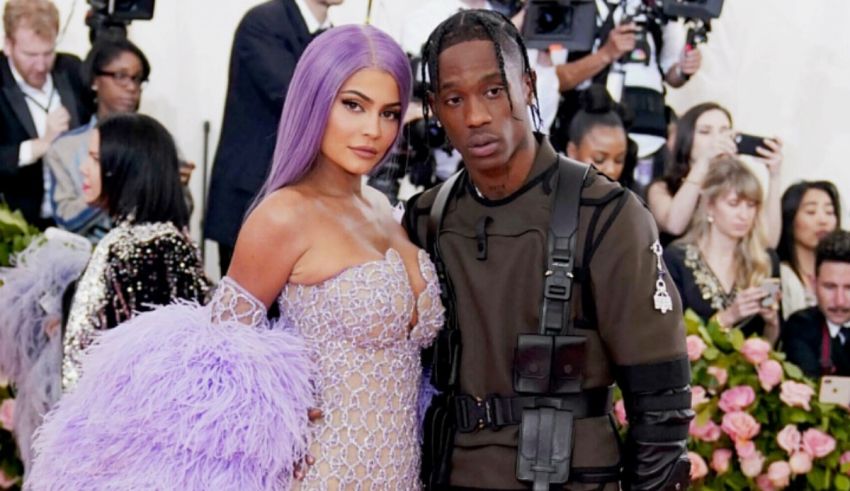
(329,60)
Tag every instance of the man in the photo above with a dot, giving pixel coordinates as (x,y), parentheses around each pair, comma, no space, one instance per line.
(42,97)
(266,47)
(817,339)
(490,247)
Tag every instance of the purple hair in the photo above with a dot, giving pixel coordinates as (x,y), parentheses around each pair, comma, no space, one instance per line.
(329,60)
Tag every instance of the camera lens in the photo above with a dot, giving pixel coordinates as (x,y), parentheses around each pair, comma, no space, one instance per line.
(549,19)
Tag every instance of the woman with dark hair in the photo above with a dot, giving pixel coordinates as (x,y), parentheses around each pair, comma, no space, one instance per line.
(116,70)
(810,211)
(703,133)
(598,136)
(220,397)
(148,259)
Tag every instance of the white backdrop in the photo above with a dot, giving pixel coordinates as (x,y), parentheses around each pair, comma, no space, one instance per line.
(781,66)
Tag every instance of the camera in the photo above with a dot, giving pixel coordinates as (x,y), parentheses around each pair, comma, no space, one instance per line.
(704,10)
(110,18)
(571,23)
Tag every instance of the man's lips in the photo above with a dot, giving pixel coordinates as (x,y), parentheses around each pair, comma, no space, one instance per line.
(482,145)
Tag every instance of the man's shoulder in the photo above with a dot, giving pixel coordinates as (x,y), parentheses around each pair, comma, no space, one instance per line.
(67,61)
(805,318)
(270,14)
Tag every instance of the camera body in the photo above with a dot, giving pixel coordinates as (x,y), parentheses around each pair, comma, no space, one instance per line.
(571,23)
(111,17)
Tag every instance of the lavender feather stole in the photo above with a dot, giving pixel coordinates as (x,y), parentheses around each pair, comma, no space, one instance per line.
(170,401)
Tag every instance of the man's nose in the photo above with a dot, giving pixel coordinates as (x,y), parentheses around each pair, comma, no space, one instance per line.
(476,113)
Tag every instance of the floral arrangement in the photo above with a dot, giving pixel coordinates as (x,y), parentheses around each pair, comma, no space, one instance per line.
(15,236)
(758,422)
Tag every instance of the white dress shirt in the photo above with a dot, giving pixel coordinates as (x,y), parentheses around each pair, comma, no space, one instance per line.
(313,24)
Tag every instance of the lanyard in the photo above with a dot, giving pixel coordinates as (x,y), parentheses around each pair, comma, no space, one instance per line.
(41,106)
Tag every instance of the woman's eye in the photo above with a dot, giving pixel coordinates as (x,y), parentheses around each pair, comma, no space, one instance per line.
(354,106)
(391,115)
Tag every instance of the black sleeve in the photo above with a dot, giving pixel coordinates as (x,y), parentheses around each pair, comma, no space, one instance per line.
(410,219)
(801,347)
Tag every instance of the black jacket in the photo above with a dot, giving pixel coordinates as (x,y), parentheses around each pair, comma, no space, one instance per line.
(23,187)
(803,338)
(266,47)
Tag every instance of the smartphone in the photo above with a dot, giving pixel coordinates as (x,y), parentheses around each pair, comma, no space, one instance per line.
(771,287)
(835,390)
(747,144)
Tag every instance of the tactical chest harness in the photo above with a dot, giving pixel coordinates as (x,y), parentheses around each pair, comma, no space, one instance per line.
(548,366)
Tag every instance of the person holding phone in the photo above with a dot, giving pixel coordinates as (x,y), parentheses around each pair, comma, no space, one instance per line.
(722,267)
(703,133)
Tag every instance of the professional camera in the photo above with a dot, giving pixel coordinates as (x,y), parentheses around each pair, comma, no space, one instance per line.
(571,23)
(110,18)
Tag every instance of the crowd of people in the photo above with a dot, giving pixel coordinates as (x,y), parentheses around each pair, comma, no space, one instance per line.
(387,354)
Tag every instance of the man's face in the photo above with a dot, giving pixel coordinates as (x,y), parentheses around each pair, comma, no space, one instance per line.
(832,287)
(32,55)
(471,101)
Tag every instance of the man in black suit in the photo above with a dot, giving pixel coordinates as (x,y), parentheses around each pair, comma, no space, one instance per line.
(818,338)
(267,45)
(42,96)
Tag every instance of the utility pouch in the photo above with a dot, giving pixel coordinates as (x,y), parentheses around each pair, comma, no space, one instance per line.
(446,362)
(437,442)
(545,447)
(568,356)
(532,364)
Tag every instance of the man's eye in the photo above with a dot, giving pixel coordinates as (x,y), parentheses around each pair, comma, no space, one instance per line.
(452,101)
(495,91)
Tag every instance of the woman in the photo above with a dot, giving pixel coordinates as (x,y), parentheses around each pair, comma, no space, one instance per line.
(132,173)
(117,71)
(598,137)
(722,267)
(703,133)
(358,301)
(810,210)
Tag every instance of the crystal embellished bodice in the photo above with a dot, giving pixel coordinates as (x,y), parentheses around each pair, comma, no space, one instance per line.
(359,325)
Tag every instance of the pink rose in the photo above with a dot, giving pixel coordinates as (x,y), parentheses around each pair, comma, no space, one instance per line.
(740,426)
(698,396)
(695,347)
(845,459)
(796,394)
(620,413)
(709,432)
(770,374)
(779,474)
(7,414)
(720,374)
(698,467)
(755,350)
(737,398)
(800,462)
(745,448)
(789,439)
(817,443)
(720,460)
(752,466)
(764,484)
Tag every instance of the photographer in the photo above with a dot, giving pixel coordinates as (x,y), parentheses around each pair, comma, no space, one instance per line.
(635,53)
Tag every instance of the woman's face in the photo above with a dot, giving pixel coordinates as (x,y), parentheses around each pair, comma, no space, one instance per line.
(814,219)
(90,169)
(119,85)
(363,122)
(733,215)
(710,126)
(604,147)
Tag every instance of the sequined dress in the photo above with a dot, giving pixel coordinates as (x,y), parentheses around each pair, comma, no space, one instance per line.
(368,371)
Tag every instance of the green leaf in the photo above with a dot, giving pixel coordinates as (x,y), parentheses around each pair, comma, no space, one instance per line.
(711,354)
(737,339)
(842,483)
(792,370)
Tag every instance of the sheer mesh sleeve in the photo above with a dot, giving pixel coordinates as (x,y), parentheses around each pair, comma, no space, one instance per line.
(233,303)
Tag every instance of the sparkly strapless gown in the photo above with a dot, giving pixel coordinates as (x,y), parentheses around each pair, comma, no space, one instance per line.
(368,372)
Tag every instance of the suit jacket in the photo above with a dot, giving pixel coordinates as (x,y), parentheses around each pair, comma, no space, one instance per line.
(802,341)
(23,187)
(266,47)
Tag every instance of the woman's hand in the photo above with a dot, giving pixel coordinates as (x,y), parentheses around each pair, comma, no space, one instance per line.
(301,469)
(747,304)
(721,144)
(771,155)
(771,322)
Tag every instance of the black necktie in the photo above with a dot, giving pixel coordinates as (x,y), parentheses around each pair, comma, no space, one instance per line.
(845,335)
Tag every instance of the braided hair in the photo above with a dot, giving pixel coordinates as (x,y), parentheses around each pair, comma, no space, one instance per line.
(475,25)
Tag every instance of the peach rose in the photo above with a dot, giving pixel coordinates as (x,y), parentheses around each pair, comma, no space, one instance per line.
(740,426)
(737,398)
(698,467)
(789,439)
(720,460)
(755,350)
(800,462)
(721,374)
(709,432)
(620,413)
(764,484)
(770,374)
(752,466)
(845,459)
(796,394)
(7,414)
(817,443)
(698,396)
(745,448)
(696,346)
(779,474)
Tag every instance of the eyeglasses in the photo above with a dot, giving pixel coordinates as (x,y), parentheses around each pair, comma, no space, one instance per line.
(125,79)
